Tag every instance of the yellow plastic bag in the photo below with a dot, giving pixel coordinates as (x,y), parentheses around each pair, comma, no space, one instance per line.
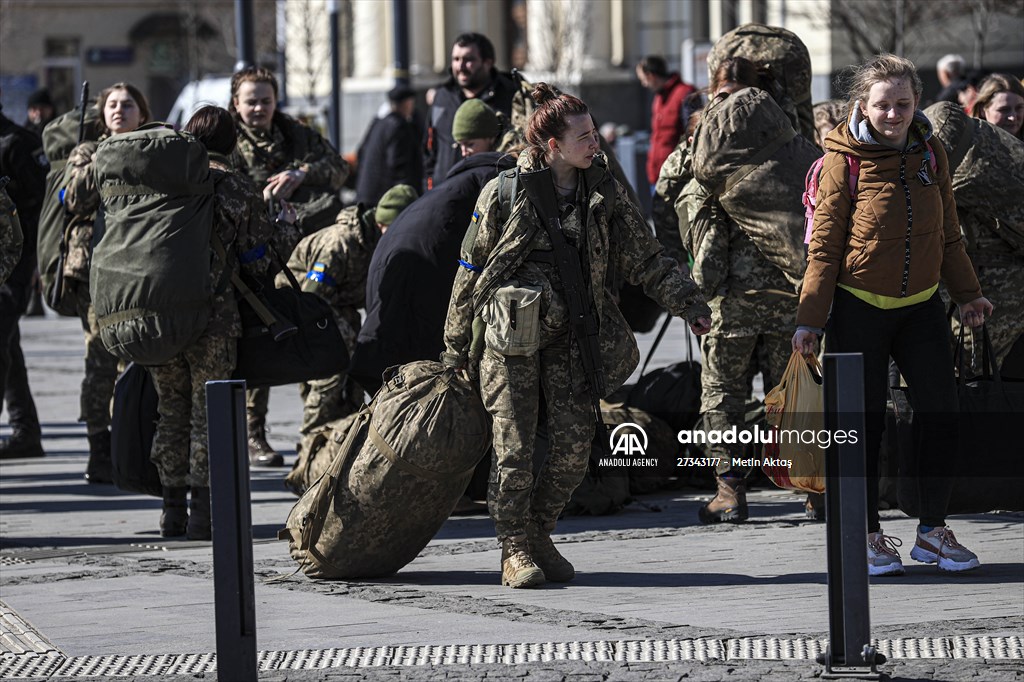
(795,459)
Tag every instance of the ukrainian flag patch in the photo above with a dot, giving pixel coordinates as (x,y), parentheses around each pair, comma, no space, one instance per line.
(317,273)
(476,216)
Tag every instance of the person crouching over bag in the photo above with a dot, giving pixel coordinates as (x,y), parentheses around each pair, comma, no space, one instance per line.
(520,287)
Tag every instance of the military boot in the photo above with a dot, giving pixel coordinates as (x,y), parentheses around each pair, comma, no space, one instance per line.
(729,505)
(199,524)
(517,566)
(260,452)
(21,443)
(100,468)
(174,518)
(555,566)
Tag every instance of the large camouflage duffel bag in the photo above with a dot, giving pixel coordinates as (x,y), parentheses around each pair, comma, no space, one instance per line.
(60,137)
(316,452)
(786,54)
(394,478)
(746,152)
(150,274)
(986,164)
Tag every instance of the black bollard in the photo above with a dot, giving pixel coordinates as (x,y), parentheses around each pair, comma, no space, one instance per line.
(234,584)
(849,653)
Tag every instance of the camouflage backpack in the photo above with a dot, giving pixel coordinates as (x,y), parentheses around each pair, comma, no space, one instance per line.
(150,273)
(986,166)
(396,474)
(784,52)
(60,137)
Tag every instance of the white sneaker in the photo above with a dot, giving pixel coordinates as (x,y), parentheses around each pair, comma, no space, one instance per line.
(939,545)
(883,557)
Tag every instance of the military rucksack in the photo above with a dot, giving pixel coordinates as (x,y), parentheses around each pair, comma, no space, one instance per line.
(780,49)
(396,474)
(60,137)
(986,167)
(150,273)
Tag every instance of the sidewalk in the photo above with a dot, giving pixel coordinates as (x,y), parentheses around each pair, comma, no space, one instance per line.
(89,588)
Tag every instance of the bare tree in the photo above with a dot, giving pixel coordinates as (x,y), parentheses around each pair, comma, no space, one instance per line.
(874,26)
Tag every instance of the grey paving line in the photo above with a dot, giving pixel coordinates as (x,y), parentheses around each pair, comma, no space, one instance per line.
(703,650)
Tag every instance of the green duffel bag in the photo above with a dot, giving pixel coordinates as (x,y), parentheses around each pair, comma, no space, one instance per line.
(150,274)
(396,474)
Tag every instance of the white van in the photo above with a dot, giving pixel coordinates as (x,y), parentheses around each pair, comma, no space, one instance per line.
(214,90)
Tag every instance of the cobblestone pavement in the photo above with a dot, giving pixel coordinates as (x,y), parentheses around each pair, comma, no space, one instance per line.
(88,588)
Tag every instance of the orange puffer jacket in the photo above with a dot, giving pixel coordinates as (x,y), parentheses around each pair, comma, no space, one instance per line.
(900,235)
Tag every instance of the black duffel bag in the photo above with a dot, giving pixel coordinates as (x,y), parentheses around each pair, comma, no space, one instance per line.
(672,394)
(132,429)
(288,336)
(988,469)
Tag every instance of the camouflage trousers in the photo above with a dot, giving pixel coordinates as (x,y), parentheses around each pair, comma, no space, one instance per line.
(101,370)
(180,450)
(1004,286)
(510,388)
(325,400)
(725,382)
(257,402)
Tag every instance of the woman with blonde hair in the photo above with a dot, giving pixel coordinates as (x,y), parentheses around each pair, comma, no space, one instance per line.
(873,269)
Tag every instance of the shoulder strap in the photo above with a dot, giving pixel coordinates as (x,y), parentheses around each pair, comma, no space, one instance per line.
(853,172)
(507,192)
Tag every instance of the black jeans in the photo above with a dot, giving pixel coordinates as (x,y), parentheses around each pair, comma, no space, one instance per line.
(14,389)
(917,338)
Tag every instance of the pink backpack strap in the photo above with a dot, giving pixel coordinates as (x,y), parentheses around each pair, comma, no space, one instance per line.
(853,168)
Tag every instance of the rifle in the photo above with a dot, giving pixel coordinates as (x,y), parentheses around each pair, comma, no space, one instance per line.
(58,284)
(584,326)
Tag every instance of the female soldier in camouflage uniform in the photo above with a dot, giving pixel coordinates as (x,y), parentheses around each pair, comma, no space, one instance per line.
(180,449)
(124,109)
(287,161)
(508,255)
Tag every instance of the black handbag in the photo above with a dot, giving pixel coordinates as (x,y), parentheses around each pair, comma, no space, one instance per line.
(288,336)
(132,429)
(988,471)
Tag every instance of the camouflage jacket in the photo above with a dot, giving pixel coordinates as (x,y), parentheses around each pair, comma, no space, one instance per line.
(289,145)
(333,263)
(747,294)
(493,253)
(82,200)
(240,221)
(10,236)
(675,173)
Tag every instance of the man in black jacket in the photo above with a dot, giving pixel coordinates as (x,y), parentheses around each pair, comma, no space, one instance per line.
(472,76)
(21,158)
(412,271)
(389,155)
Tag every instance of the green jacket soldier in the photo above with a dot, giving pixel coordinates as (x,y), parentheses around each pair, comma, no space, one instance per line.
(514,302)
(290,162)
(333,263)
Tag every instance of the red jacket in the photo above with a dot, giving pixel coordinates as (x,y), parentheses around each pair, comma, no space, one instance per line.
(667,124)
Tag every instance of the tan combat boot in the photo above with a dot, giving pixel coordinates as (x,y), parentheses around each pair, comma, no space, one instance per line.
(555,566)
(729,505)
(517,567)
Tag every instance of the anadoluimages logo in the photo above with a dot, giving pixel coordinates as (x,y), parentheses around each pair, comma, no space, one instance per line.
(628,442)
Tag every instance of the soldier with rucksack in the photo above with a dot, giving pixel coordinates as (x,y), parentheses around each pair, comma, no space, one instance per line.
(178,225)
(531,310)
(121,108)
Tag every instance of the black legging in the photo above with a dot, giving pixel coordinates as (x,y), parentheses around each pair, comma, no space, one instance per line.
(917,338)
